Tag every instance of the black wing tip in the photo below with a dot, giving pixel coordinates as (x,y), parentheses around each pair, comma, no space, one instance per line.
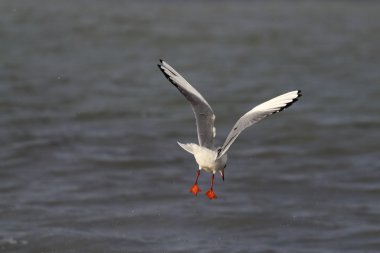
(161,62)
(299,94)
(161,67)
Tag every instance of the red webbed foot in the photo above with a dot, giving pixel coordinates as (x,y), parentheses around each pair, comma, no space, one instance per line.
(195,189)
(211,194)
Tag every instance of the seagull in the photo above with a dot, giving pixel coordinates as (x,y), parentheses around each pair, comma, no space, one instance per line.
(208,157)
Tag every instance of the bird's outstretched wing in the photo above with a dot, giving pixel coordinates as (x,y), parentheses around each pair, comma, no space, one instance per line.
(204,114)
(258,113)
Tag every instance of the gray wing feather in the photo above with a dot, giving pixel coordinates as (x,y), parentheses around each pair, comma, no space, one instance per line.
(258,113)
(203,112)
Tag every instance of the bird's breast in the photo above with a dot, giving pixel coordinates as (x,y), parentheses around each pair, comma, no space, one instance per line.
(206,159)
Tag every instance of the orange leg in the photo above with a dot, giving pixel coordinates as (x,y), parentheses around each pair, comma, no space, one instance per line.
(210,193)
(195,188)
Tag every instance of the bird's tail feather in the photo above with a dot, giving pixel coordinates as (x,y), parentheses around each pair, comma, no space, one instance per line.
(189,147)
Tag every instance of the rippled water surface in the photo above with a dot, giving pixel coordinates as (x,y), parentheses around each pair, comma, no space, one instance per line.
(89,160)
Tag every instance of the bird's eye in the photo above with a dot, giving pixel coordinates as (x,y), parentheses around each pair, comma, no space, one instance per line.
(225,166)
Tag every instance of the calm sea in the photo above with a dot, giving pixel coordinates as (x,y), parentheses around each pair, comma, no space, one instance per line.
(88,126)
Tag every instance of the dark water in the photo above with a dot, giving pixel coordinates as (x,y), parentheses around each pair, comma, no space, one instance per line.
(89,160)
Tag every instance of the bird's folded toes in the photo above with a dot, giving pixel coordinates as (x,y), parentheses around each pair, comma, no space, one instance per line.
(195,189)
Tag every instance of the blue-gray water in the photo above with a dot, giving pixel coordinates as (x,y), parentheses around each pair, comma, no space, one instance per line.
(89,160)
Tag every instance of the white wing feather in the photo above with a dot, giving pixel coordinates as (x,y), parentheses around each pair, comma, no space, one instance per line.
(203,112)
(258,113)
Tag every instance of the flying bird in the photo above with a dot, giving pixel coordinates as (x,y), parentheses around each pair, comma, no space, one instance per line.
(208,157)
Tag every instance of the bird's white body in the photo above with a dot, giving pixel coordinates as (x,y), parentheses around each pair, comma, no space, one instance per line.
(207,159)
(206,155)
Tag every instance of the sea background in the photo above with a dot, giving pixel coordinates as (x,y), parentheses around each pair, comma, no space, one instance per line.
(88,126)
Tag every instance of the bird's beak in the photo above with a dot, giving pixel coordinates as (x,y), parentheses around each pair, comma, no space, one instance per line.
(222,174)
